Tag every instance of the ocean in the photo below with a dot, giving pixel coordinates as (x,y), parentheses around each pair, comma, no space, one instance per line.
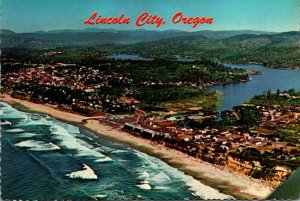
(43,158)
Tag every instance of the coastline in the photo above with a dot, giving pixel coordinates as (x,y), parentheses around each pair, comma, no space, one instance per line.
(238,185)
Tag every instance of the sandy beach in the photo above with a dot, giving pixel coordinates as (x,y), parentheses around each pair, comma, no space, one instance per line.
(235,184)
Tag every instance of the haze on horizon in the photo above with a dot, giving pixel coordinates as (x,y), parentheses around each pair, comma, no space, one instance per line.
(257,15)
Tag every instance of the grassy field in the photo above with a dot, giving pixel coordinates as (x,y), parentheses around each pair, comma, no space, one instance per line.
(202,103)
(291,132)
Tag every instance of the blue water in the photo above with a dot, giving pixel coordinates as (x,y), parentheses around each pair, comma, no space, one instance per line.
(39,151)
(270,79)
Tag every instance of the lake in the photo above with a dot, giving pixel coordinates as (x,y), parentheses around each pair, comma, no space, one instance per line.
(270,79)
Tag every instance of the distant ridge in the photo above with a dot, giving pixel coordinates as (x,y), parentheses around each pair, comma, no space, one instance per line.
(97,36)
(6,31)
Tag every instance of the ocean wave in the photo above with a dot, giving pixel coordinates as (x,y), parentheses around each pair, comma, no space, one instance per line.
(160,177)
(87,173)
(8,112)
(84,143)
(144,186)
(31,123)
(194,186)
(70,141)
(5,123)
(98,149)
(35,117)
(161,188)
(37,145)
(148,161)
(122,160)
(100,196)
(118,151)
(15,130)
(105,148)
(105,159)
(203,191)
(58,130)
(143,175)
(84,151)
(25,135)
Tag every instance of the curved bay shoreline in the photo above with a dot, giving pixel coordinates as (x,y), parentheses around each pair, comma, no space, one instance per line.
(235,184)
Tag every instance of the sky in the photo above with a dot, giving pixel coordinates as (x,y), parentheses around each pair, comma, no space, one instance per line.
(45,15)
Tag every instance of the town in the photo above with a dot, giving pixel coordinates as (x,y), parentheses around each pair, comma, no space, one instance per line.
(259,138)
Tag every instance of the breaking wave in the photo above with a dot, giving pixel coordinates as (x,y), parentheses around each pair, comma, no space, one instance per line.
(144,185)
(85,173)
(82,148)
(15,130)
(160,177)
(37,145)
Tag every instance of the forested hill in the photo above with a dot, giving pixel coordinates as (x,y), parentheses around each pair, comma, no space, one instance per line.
(94,37)
(278,50)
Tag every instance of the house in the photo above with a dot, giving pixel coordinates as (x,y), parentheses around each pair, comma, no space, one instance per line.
(197,137)
(132,127)
(166,135)
(147,133)
(186,139)
(224,132)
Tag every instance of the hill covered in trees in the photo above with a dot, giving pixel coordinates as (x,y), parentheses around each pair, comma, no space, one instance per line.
(278,50)
(96,37)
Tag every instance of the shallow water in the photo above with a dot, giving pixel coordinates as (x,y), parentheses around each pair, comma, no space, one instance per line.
(43,158)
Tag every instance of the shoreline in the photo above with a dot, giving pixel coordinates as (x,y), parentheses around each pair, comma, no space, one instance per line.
(235,184)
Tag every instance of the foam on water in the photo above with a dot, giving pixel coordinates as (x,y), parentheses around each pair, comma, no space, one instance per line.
(32,123)
(27,135)
(11,113)
(147,160)
(98,149)
(15,130)
(84,151)
(105,148)
(71,142)
(143,175)
(5,123)
(204,191)
(118,151)
(145,182)
(161,188)
(100,196)
(122,160)
(86,173)
(37,145)
(105,159)
(144,186)
(195,187)
(160,177)
(84,143)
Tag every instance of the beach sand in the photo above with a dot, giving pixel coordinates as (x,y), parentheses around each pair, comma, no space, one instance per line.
(238,185)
